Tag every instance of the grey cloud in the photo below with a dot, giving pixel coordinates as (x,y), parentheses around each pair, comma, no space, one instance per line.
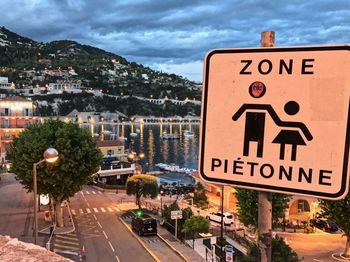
(158,31)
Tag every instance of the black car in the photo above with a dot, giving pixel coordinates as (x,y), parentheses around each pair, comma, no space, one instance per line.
(144,225)
(325,225)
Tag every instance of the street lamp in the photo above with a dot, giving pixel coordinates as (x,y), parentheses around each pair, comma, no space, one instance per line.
(50,156)
(161,202)
(133,156)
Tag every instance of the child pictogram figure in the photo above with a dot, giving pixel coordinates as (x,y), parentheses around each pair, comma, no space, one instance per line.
(255,124)
(292,137)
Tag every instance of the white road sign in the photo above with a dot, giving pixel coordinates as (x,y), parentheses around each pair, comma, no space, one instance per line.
(176,214)
(277,119)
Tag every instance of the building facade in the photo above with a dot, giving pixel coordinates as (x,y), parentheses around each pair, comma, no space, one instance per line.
(16,113)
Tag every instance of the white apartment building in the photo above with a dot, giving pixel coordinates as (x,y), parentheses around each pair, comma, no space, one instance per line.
(4,83)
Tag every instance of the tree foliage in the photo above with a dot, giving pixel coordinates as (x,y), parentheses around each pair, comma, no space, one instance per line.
(142,185)
(339,212)
(199,196)
(195,225)
(248,206)
(79,158)
(280,252)
(170,223)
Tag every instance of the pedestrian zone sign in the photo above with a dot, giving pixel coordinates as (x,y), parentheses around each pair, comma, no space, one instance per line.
(277,119)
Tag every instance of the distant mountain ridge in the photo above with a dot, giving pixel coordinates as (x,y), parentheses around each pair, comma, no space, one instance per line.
(28,63)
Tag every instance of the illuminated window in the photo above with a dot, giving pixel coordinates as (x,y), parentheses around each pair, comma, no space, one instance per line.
(303,206)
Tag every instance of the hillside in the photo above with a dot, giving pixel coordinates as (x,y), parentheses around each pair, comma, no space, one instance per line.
(30,63)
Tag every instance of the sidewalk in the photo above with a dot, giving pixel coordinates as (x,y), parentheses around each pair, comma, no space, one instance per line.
(187,252)
(44,226)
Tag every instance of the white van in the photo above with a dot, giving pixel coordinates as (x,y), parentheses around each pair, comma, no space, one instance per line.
(216,217)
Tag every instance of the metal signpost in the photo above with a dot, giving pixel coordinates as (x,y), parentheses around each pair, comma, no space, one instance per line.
(229,253)
(176,214)
(277,119)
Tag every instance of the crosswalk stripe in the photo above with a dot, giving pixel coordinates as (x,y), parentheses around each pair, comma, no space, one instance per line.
(96,210)
(81,211)
(110,209)
(116,208)
(88,210)
(94,192)
(87,192)
(66,237)
(103,210)
(61,242)
(99,192)
(65,246)
(73,211)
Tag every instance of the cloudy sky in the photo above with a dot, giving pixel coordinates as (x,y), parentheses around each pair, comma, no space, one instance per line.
(174,35)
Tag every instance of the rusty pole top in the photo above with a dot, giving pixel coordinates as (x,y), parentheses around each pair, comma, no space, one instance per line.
(267,39)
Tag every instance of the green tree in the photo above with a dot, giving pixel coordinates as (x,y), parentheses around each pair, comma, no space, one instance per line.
(248,206)
(79,158)
(170,223)
(280,252)
(142,185)
(339,211)
(195,225)
(199,196)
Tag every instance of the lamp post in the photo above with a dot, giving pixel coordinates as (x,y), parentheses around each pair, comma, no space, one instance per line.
(50,156)
(135,157)
(161,202)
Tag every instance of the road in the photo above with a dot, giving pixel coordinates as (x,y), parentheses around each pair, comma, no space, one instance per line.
(100,231)
(317,247)
(16,210)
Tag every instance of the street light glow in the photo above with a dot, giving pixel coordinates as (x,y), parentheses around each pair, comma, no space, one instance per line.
(50,155)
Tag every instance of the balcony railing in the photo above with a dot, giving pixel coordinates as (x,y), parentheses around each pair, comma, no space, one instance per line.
(116,168)
(15,115)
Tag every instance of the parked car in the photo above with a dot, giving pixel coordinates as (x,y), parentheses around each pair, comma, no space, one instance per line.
(325,225)
(144,225)
(216,217)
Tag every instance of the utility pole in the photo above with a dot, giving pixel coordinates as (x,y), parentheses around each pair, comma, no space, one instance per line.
(222,225)
(265,198)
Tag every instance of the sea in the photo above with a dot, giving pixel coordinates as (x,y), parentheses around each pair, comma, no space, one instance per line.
(182,152)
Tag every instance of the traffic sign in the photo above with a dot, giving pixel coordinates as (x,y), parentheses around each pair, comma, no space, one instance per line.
(277,119)
(176,214)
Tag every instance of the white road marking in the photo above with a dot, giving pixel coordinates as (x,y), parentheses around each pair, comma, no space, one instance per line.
(323,244)
(73,211)
(88,210)
(104,234)
(81,192)
(98,223)
(317,260)
(95,217)
(117,208)
(87,192)
(117,258)
(103,210)
(94,192)
(110,209)
(96,210)
(99,192)
(110,244)
(81,211)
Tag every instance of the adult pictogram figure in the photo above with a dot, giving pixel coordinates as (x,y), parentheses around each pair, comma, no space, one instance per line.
(292,137)
(255,124)
(255,121)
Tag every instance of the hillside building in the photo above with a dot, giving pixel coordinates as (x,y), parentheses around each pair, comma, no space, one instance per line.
(16,113)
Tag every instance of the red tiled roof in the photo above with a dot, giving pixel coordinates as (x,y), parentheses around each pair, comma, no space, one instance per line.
(107,143)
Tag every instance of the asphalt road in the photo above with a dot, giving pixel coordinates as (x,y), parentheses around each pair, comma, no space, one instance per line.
(318,247)
(16,210)
(99,230)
